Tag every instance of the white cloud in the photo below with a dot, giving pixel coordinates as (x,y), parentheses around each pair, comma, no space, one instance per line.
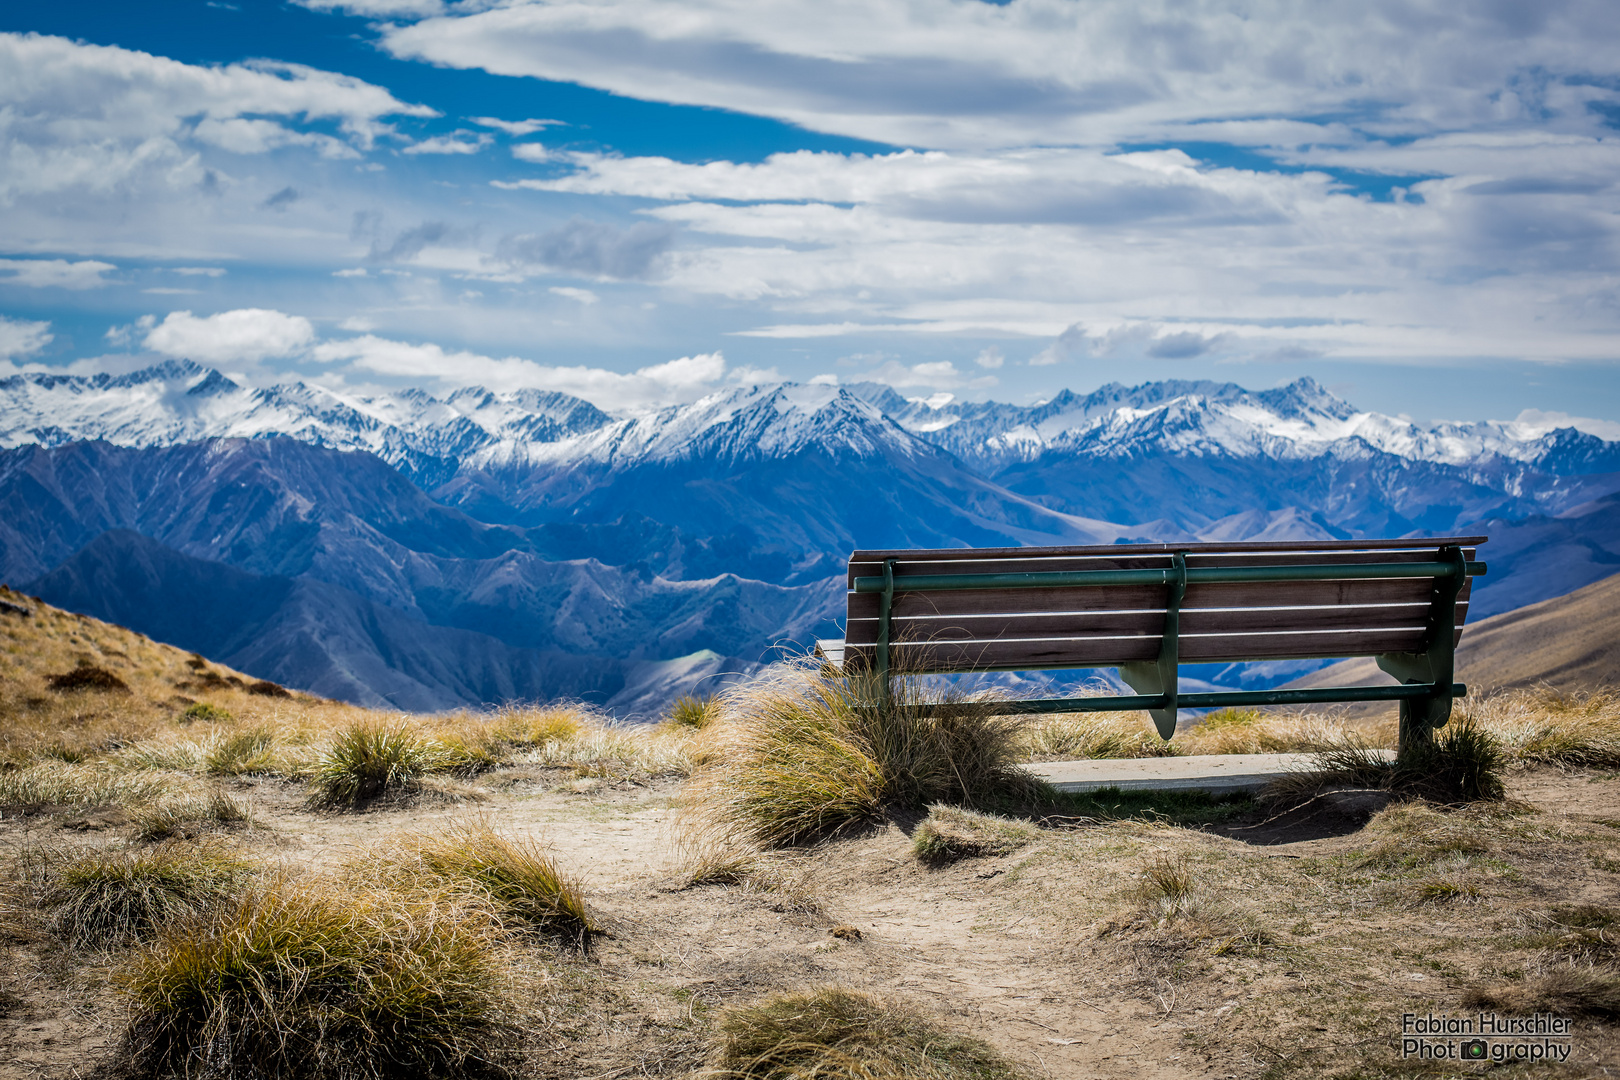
(679,380)
(1539,421)
(353,271)
(936,375)
(516,128)
(579,296)
(454,143)
(990,358)
(22,337)
(243,335)
(378,9)
(198,271)
(916,73)
(54,273)
(93,117)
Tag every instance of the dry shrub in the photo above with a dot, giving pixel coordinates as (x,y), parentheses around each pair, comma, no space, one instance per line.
(1172,910)
(314,978)
(87,677)
(266,688)
(834,1033)
(187,815)
(1565,990)
(517,877)
(108,897)
(950,833)
(797,757)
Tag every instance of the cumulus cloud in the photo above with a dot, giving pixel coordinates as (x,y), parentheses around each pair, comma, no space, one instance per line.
(650,387)
(54,273)
(93,117)
(243,335)
(935,375)
(990,358)
(592,248)
(22,337)
(378,9)
(409,244)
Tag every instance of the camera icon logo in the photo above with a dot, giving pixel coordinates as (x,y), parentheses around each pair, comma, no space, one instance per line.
(1474,1050)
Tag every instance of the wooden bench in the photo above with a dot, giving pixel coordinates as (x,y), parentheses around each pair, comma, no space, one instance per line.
(1146,608)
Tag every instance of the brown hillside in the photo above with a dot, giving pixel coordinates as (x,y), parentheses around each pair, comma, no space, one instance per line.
(1571,642)
(103,684)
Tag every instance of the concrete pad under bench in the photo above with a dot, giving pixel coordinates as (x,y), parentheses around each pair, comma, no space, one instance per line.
(1217,774)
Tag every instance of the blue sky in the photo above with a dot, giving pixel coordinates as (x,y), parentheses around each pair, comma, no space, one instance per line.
(641,202)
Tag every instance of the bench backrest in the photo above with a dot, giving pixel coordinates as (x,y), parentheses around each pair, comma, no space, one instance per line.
(1107,625)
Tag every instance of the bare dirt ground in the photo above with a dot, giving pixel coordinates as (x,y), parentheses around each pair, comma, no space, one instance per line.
(1291,957)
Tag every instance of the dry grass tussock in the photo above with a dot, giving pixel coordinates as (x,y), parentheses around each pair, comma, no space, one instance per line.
(950,833)
(1542,725)
(835,1033)
(517,878)
(795,757)
(1462,764)
(113,896)
(325,979)
(1564,989)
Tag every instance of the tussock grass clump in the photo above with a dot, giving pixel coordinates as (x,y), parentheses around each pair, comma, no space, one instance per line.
(206,713)
(835,1033)
(798,757)
(692,711)
(266,688)
(238,753)
(1463,764)
(369,758)
(1565,989)
(518,877)
(52,783)
(950,833)
(310,978)
(1541,725)
(110,897)
(187,815)
(1074,736)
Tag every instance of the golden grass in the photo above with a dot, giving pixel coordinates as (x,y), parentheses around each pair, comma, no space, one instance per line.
(517,877)
(105,897)
(371,758)
(692,712)
(325,979)
(950,833)
(795,757)
(835,1033)
(187,815)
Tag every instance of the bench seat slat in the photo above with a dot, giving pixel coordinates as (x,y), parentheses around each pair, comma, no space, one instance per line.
(1150,623)
(1149,597)
(1111,651)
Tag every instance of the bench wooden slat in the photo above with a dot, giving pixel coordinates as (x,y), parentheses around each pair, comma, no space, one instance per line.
(1433,543)
(1149,597)
(1026,654)
(926,563)
(1148,623)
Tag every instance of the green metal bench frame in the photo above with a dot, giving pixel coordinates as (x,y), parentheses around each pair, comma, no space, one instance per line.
(1425,694)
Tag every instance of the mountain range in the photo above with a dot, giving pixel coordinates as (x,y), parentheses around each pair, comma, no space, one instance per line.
(433,551)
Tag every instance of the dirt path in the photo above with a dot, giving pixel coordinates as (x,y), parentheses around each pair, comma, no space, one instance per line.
(1032,951)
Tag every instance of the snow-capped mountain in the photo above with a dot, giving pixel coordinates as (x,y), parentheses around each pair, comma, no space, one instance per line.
(714,528)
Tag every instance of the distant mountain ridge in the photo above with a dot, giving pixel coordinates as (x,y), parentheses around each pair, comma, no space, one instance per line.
(717,529)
